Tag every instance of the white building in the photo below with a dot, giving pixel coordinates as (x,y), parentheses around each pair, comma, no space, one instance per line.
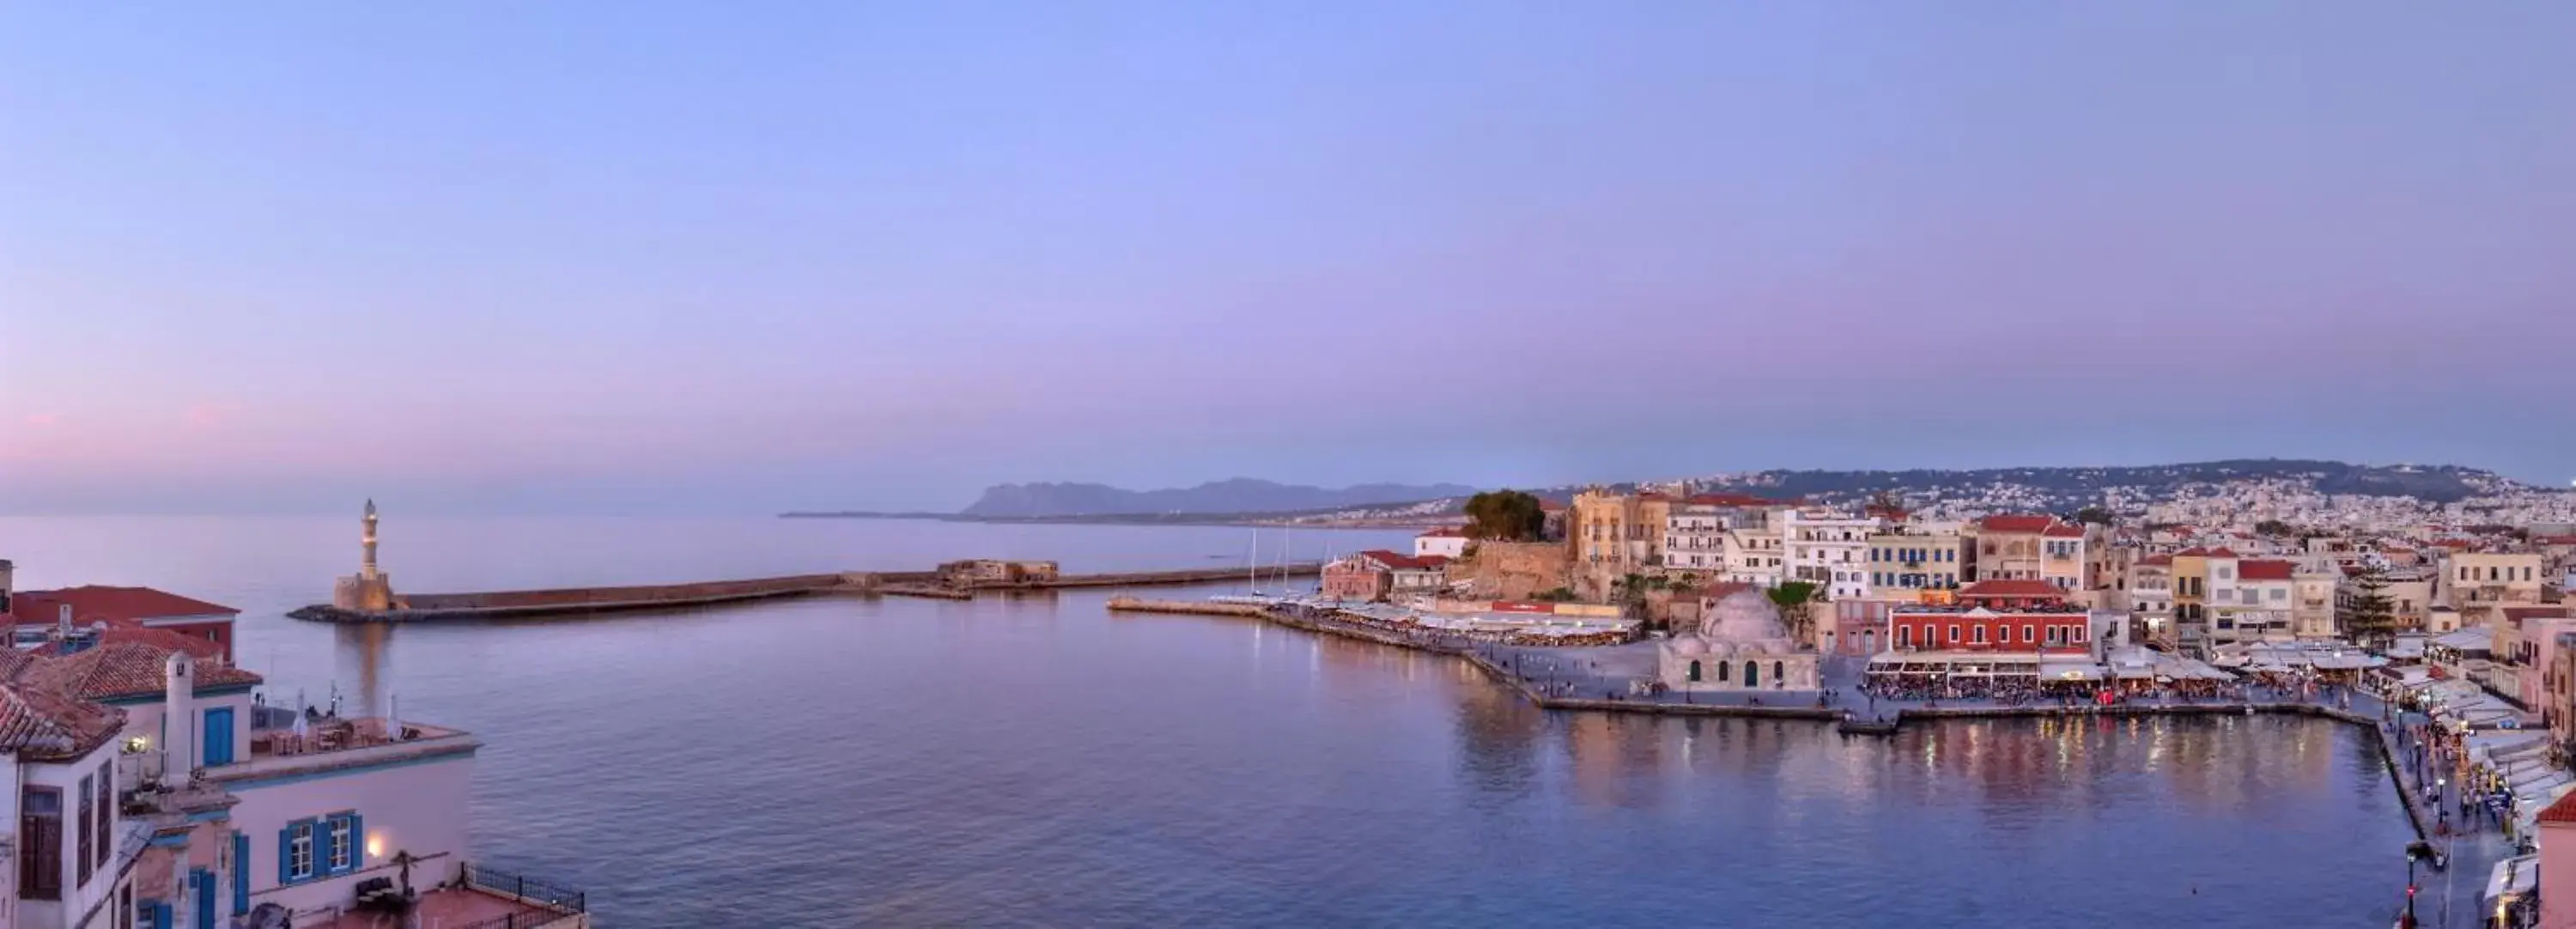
(1695,538)
(1445,543)
(159,792)
(1753,556)
(1830,550)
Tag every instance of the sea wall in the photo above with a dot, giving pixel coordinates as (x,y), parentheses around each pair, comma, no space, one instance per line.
(704,591)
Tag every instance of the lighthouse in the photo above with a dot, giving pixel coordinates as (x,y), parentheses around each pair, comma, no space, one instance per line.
(370,590)
(367,541)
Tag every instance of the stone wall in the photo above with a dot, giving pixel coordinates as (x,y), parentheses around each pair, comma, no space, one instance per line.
(587,596)
(1513,570)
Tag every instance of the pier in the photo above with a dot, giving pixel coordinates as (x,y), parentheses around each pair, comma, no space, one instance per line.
(577,601)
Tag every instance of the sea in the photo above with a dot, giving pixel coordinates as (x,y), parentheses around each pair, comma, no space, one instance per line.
(1033,760)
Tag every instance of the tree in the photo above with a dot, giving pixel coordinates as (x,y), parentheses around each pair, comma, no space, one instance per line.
(2095,515)
(1505,515)
(2369,616)
(2274,527)
(1793,597)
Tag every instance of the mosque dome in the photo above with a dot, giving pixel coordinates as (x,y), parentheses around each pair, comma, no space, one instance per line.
(1745,617)
(1688,646)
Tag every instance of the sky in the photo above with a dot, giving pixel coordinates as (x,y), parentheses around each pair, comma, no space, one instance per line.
(717,258)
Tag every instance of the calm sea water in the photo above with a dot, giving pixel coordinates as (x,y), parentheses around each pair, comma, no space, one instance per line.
(1035,761)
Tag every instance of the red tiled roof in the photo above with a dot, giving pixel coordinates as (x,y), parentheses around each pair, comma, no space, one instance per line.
(2063,531)
(1723,589)
(2553,540)
(2016,523)
(2452,544)
(2520,613)
(2192,552)
(2563,811)
(44,724)
(2156,561)
(2265,570)
(112,604)
(113,669)
(2221,553)
(2015,587)
(1727,500)
(1394,562)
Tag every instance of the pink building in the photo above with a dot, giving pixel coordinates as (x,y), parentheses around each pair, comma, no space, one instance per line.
(2536,630)
(1376,573)
(2558,863)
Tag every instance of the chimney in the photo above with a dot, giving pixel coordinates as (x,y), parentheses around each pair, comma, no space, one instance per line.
(63,625)
(179,721)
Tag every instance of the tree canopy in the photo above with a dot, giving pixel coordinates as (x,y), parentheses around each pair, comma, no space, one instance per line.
(2275,527)
(2095,515)
(2369,616)
(1505,515)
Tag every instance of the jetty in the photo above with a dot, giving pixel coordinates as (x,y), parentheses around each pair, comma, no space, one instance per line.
(577,601)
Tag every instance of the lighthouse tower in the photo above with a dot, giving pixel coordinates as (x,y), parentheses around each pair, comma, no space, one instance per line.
(370,590)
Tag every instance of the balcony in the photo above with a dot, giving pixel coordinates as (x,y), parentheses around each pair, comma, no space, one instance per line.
(329,742)
(484,898)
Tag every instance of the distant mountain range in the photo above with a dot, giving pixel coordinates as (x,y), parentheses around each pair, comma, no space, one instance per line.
(1240,495)
(2048,489)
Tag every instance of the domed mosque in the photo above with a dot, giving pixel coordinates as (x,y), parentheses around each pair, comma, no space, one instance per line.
(1740,644)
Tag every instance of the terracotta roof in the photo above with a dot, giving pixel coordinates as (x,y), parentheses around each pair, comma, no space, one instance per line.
(2265,570)
(2452,544)
(2221,553)
(1727,500)
(2563,811)
(1722,590)
(2016,587)
(1395,562)
(2192,552)
(2016,523)
(42,724)
(2063,531)
(2156,561)
(114,669)
(2553,540)
(112,604)
(2520,613)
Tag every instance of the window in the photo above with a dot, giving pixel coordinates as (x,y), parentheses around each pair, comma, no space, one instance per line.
(40,844)
(2226,573)
(299,851)
(106,812)
(1978,632)
(2029,634)
(1954,632)
(81,857)
(2279,594)
(343,843)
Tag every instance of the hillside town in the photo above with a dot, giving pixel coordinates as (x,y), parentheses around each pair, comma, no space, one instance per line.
(2457,638)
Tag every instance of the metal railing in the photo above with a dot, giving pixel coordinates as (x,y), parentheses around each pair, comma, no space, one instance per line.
(494,880)
(524,919)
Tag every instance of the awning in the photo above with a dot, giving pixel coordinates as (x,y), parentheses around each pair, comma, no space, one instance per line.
(2070,671)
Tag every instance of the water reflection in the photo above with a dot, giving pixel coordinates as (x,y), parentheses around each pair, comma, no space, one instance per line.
(364,655)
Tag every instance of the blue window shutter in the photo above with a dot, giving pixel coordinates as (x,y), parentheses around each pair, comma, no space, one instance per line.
(357,841)
(160,916)
(286,855)
(241,873)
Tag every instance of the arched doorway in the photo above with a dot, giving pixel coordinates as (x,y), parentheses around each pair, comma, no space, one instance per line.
(1721,671)
(1779,678)
(1694,669)
(1752,674)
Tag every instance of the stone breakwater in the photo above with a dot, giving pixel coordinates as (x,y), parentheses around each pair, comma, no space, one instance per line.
(576,601)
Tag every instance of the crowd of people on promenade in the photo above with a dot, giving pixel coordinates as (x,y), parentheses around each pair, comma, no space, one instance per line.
(1438,637)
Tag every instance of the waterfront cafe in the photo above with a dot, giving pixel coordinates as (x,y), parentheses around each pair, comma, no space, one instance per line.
(2023,668)
(2330,662)
(2137,667)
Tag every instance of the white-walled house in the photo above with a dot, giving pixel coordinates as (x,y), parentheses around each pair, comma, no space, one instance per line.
(155,790)
(1444,543)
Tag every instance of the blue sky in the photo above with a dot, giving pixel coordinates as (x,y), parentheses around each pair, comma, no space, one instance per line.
(671,257)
